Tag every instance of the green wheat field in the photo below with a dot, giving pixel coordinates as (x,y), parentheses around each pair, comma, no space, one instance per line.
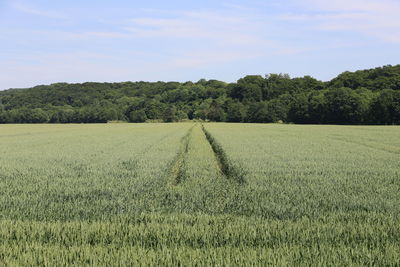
(193,194)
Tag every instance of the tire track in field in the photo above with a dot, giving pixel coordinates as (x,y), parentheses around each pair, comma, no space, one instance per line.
(197,180)
(176,170)
(230,171)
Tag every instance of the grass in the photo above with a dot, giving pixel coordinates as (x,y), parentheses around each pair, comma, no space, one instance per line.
(169,194)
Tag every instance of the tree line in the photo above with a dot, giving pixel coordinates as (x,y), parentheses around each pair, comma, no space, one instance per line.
(362,97)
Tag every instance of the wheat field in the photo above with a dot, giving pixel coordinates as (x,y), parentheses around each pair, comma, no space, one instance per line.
(197,194)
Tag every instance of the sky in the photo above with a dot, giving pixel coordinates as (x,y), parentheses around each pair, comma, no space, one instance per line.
(44,42)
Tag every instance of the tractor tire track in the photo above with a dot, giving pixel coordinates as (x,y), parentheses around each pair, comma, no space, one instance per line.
(230,171)
(176,169)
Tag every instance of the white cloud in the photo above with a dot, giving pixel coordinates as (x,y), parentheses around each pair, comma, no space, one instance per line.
(90,35)
(355,5)
(216,27)
(375,18)
(27,9)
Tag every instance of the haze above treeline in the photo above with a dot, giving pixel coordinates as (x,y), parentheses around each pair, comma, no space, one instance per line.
(362,97)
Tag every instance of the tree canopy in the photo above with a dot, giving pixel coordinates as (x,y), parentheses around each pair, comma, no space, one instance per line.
(362,97)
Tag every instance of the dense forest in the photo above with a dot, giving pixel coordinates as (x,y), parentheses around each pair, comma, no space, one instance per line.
(361,97)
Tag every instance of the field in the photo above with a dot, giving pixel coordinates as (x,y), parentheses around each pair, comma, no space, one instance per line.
(199,194)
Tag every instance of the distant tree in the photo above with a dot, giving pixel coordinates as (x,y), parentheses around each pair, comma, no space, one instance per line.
(4,117)
(268,111)
(137,116)
(108,114)
(276,85)
(366,98)
(38,115)
(248,88)
(201,110)
(298,112)
(154,109)
(385,109)
(235,111)
(170,114)
(63,115)
(181,115)
(348,79)
(216,112)
(344,106)
(278,110)
(258,112)
(317,107)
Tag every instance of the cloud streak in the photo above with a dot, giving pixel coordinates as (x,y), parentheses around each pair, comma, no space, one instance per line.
(27,9)
(374,18)
(217,27)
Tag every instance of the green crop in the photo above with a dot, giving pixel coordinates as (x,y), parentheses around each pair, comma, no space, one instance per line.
(199,195)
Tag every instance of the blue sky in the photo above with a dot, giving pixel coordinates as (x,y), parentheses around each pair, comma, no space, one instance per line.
(43,42)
